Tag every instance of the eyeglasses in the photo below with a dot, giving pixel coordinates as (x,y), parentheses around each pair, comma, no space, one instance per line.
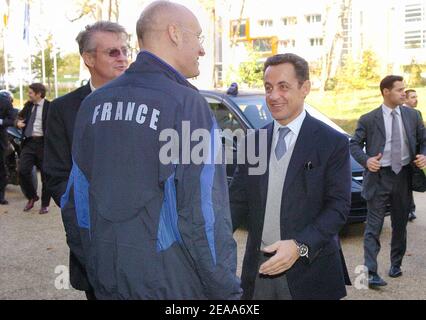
(115,52)
(200,37)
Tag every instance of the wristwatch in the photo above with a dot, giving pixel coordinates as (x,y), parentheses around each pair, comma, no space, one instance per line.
(302,249)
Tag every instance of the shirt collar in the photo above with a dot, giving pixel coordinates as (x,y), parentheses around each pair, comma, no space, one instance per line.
(92,87)
(295,126)
(41,103)
(388,111)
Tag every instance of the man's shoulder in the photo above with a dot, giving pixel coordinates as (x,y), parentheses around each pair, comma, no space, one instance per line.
(321,128)
(73,98)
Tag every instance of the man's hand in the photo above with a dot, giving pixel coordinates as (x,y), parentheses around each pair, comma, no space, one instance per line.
(20,124)
(420,161)
(373,164)
(286,254)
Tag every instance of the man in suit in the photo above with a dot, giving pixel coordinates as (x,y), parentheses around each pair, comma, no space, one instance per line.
(390,135)
(32,120)
(296,209)
(103,47)
(6,120)
(411,101)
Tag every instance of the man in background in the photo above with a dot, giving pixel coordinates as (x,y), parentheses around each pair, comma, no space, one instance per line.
(103,47)
(6,120)
(411,101)
(32,120)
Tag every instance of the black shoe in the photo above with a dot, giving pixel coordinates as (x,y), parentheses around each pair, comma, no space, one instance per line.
(374,280)
(395,272)
(4,202)
(412,216)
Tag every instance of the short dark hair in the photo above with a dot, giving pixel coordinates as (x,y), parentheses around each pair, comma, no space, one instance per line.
(300,65)
(84,38)
(387,82)
(407,92)
(38,88)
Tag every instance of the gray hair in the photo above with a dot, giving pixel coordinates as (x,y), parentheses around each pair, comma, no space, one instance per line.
(84,38)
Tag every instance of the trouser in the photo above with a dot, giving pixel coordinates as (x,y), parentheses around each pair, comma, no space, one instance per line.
(32,155)
(271,287)
(394,190)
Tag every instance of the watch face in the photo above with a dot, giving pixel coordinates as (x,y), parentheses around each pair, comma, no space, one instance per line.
(303,251)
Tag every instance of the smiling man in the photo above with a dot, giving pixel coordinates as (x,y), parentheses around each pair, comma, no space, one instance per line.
(296,209)
(103,47)
(152,230)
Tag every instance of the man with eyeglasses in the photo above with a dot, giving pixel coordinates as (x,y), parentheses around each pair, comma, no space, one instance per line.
(103,47)
(154,228)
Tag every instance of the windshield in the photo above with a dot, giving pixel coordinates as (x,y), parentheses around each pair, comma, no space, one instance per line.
(257,113)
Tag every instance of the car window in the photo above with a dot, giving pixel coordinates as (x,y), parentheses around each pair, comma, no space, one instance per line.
(255,110)
(225,118)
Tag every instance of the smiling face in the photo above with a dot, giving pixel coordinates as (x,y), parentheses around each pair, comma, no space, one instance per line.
(103,65)
(191,48)
(285,96)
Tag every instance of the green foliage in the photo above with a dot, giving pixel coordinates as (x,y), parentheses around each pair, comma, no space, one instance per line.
(415,74)
(250,72)
(37,64)
(358,75)
(70,65)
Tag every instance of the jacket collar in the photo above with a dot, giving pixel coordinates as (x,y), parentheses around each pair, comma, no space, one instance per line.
(149,62)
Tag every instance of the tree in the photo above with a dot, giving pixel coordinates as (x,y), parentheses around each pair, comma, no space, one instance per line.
(97,9)
(368,68)
(415,74)
(70,65)
(250,72)
(37,64)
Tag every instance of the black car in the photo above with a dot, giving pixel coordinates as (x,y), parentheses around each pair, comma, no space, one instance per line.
(248,110)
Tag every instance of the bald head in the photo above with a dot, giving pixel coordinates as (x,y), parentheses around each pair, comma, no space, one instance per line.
(172,32)
(157,17)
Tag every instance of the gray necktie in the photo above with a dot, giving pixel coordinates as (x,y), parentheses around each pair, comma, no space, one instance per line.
(396,149)
(30,125)
(281,147)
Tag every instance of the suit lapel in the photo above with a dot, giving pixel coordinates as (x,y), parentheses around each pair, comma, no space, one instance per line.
(304,145)
(380,121)
(85,91)
(264,179)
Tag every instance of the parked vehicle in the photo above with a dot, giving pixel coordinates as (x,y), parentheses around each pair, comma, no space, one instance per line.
(248,110)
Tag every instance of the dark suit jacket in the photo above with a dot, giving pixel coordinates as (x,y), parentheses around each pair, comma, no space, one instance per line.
(25,113)
(58,162)
(371,135)
(8,116)
(315,205)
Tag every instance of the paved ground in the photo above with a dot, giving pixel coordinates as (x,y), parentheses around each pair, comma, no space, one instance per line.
(32,248)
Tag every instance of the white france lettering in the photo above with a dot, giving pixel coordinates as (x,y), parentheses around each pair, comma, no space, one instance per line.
(130,111)
(106,112)
(141,115)
(96,114)
(154,119)
(119,111)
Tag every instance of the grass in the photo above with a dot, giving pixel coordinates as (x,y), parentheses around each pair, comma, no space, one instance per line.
(345,108)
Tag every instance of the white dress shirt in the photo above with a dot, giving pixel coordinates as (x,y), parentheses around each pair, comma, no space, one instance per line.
(38,122)
(405,152)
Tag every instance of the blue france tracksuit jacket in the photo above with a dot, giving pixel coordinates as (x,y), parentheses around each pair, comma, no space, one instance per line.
(143,229)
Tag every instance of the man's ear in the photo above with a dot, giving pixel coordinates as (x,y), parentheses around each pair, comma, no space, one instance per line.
(89,59)
(174,34)
(306,87)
